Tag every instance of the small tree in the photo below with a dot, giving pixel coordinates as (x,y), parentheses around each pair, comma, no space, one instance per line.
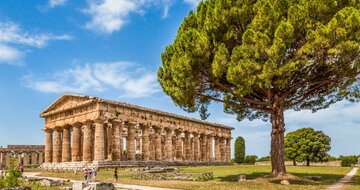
(306,144)
(12,179)
(239,150)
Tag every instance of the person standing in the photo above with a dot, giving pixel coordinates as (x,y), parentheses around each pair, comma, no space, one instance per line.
(85,174)
(94,172)
(115,175)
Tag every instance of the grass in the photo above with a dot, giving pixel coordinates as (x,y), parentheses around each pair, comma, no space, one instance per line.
(355,184)
(225,178)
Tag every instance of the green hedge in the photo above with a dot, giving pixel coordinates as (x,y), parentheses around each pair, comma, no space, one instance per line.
(250,159)
(347,161)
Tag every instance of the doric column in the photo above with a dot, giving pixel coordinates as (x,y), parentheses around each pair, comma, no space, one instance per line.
(76,144)
(99,148)
(152,147)
(18,157)
(209,148)
(222,150)
(109,140)
(217,149)
(158,152)
(117,141)
(87,142)
(57,145)
(145,142)
(168,144)
(187,146)
(66,149)
(130,143)
(41,157)
(178,146)
(228,156)
(203,147)
(7,159)
(48,145)
(26,159)
(196,147)
(34,158)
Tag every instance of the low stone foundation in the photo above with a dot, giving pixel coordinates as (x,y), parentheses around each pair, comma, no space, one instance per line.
(75,166)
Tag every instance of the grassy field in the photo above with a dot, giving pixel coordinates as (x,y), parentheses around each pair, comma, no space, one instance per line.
(225,178)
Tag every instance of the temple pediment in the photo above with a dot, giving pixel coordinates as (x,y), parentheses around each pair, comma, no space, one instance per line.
(67,101)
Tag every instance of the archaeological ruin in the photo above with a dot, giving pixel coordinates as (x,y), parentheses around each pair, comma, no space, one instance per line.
(90,130)
(26,155)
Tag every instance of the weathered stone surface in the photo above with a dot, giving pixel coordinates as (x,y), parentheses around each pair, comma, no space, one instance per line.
(241,177)
(78,185)
(51,183)
(284,182)
(104,186)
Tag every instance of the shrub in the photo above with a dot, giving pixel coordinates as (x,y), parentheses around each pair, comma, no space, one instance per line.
(12,179)
(263,159)
(347,161)
(250,159)
(239,150)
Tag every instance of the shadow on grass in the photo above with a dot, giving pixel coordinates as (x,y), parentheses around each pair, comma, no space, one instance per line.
(326,179)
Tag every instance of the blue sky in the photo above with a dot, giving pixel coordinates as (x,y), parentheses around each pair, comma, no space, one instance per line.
(111,49)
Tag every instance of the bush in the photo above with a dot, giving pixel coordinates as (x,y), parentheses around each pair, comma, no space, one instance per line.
(348,161)
(263,159)
(12,178)
(239,150)
(250,159)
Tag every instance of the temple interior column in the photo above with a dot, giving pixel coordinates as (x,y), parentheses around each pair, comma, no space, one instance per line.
(203,147)
(209,148)
(2,159)
(145,142)
(117,149)
(7,159)
(217,149)
(168,145)
(41,157)
(158,152)
(76,144)
(109,141)
(228,156)
(99,149)
(130,143)
(57,145)
(179,151)
(87,142)
(18,157)
(48,145)
(152,147)
(196,147)
(187,146)
(34,158)
(66,149)
(26,159)
(222,150)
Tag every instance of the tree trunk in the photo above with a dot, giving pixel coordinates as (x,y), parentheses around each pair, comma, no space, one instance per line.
(277,141)
(294,162)
(308,162)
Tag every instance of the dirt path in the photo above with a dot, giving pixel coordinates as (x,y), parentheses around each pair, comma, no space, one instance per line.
(341,183)
(117,185)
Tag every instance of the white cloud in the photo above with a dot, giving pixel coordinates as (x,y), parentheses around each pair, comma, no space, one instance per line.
(55,3)
(108,16)
(131,80)
(13,41)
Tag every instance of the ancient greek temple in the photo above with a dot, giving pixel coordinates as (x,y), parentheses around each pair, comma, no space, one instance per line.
(91,129)
(26,155)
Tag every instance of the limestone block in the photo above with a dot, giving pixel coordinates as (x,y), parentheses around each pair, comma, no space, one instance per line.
(104,186)
(284,182)
(241,177)
(78,185)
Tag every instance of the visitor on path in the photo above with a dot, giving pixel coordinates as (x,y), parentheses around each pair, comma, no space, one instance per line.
(89,174)
(94,172)
(21,168)
(115,175)
(85,174)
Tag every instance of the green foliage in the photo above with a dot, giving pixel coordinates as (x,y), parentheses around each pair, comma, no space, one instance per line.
(263,159)
(332,158)
(306,144)
(2,183)
(348,161)
(13,174)
(239,150)
(250,159)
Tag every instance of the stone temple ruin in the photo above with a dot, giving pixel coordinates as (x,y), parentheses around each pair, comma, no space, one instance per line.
(83,130)
(26,155)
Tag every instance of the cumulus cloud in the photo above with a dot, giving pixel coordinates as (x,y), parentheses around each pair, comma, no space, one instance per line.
(55,3)
(14,41)
(131,80)
(108,16)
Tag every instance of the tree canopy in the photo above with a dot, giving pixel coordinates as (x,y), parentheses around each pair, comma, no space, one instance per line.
(239,150)
(308,145)
(262,57)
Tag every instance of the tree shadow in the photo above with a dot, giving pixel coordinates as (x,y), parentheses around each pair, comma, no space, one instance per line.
(298,179)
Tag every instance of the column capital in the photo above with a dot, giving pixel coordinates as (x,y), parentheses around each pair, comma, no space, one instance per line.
(47,130)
